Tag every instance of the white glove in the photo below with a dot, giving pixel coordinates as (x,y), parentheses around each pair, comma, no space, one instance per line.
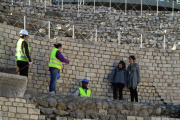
(30,63)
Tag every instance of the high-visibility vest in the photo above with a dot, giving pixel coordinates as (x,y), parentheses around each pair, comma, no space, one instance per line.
(20,55)
(83,93)
(54,62)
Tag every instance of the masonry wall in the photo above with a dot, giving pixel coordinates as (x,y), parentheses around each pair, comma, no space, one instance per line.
(18,109)
(160,70)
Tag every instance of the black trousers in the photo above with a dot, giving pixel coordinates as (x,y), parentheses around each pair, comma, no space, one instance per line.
(134,94)
(24,71)
(115,88)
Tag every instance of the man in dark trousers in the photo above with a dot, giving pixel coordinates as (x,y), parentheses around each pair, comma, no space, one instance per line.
(23,58)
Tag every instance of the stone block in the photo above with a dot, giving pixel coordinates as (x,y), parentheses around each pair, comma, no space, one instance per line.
(33,111)
(11,114)
(14,85)
(131,118)
(41,117)
(61,118)
(21,110)
(34,117)
(12,109)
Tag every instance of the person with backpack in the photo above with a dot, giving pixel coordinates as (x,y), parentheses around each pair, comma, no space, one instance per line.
(120,79)
(55,65)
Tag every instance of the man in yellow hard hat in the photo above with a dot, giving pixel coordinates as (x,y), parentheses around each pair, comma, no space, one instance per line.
(23,58)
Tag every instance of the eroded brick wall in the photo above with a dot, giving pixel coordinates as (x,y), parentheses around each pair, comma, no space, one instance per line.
(159,68)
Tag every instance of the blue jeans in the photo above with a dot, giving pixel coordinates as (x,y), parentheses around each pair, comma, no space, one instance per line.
(52,85)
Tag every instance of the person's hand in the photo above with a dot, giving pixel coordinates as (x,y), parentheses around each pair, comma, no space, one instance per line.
(30,63)
(108,81)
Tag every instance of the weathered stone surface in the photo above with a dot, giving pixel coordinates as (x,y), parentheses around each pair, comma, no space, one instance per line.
(47,111)
(61,118)
(158,111)
(61,112)
(143,113)
(52,102)
(112,112)
(61,106)
(121,117)
(43,103)
(72,106)
(80,115)
(27,96)
(12,85)
(112,117)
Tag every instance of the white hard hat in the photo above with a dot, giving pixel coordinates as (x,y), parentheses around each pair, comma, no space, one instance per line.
(23,32)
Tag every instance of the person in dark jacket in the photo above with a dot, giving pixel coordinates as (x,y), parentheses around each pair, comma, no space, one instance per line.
(133,78)
(22,56)
(55,65)
(120,79)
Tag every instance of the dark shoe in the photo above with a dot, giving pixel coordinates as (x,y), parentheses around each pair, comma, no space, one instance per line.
(122,99)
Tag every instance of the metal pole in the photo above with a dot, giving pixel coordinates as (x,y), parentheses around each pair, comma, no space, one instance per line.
(83,2)
(58,3)
(49,29)
(164,42)
(62,5)
(173,9)
(29,2)
(94,5)
(12,2)
(24,22)
(141,7)
(110,5)
(96,36)
(125,6)
(157,6)
(73,33)
(177,1)
(50,2)
(141,40)
(119,38)
(45,5)
(78,6)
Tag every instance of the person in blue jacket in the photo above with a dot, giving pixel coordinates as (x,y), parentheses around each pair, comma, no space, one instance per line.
(120,79)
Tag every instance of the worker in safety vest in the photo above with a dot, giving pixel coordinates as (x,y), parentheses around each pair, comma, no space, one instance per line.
(83,91)
(55,65)
(22,56)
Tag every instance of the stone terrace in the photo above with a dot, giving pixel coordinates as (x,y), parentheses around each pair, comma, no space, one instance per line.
(107,23)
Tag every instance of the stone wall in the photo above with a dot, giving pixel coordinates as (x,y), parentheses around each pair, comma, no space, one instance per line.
(160,70)
(18,109)
(107,23)
(61,107)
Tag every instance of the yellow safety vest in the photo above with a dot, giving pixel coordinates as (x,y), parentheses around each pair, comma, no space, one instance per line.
(54,62)
(20,55)
(83,93)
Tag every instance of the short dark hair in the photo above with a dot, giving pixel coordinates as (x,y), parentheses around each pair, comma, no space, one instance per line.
(57,45)
(132,57)
(123,64)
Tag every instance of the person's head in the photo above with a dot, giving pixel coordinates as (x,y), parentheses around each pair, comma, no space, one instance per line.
(131,59)
(24,34)
(85,82)
(122,64)
(58,46)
